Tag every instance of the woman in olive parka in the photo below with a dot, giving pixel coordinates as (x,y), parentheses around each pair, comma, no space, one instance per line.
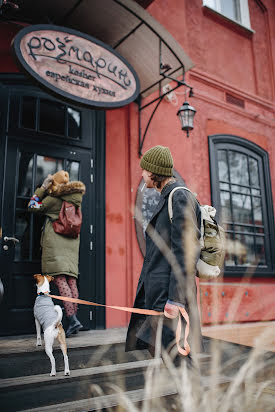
(60,254)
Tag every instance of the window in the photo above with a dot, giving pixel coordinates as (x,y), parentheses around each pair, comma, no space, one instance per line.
(241,192)
(236,10)
(49,116)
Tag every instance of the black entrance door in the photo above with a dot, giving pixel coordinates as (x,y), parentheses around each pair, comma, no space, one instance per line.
(40,136)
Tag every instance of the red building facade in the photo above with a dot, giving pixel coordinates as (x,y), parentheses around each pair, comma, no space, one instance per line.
(228,160)
(233,80)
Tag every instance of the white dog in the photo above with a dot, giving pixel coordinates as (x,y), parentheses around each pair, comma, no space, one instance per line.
(49,316)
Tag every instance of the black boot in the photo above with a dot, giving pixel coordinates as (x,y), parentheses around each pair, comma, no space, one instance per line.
(74,325)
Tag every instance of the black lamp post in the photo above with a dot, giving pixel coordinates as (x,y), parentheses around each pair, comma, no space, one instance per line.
(186,114)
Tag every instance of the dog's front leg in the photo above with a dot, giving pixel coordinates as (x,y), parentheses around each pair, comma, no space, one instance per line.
(38,333)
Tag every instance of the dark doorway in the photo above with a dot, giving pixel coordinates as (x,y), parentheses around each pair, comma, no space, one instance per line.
(39,136)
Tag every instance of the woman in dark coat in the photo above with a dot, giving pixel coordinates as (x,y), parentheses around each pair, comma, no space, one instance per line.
(60,254)
(162,287)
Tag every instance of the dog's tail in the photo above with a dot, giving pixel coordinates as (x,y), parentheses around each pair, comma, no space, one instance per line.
(58,309)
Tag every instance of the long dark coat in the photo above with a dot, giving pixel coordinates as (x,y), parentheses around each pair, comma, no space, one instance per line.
(60,254)
(159,281)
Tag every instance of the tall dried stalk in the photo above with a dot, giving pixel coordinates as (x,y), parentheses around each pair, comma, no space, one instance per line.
(239,391)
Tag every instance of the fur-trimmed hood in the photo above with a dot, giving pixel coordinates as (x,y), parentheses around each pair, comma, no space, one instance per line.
(67,188)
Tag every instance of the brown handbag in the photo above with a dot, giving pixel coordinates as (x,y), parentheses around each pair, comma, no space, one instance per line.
(69,220)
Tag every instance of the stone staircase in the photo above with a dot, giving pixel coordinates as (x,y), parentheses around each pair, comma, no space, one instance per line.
(97,362)
(96,357)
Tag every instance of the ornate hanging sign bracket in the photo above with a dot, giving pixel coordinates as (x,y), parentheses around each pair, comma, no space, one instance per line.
(76,66)
(165,73)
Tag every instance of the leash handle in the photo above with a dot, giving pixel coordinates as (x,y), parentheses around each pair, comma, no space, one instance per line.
(187,348)
(181,312)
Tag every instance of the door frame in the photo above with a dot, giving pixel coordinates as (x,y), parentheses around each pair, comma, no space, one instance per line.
(95,124)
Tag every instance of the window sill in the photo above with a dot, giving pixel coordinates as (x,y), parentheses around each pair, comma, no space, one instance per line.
(240,272)
(232,24)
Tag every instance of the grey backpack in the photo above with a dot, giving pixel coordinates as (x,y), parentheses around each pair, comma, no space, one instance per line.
(212,241)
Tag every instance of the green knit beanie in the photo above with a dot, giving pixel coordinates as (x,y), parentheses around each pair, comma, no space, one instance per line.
(158,160)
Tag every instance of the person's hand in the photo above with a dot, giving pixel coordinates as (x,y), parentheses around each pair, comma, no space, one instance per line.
(47,182)
(171,311)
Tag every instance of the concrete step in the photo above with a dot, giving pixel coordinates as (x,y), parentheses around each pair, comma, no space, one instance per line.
(42,390)
(166,390)
(37,362)
(97,359)
(19,356)
(136,397)
(233,355)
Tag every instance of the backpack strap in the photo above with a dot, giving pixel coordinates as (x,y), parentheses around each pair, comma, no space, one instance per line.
(170,211)
(170,200)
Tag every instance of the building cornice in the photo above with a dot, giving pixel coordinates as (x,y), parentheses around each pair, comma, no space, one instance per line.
(264,109)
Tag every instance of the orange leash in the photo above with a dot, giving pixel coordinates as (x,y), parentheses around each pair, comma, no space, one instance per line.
(186,349)
(125,309)
(182,312)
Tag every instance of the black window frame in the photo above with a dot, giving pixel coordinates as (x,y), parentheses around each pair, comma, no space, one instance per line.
(225,141)
(89,117)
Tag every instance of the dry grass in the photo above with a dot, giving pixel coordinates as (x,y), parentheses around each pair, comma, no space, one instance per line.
(242,383)
(231,381)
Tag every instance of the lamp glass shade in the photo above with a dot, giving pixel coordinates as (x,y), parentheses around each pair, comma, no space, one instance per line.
(186,115)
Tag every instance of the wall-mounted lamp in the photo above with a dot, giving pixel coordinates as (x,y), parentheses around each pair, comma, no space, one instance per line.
(186,114)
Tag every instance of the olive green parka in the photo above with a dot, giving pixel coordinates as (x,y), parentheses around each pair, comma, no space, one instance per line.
(60,254)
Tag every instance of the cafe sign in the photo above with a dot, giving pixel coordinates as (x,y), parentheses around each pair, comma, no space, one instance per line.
(76,66)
